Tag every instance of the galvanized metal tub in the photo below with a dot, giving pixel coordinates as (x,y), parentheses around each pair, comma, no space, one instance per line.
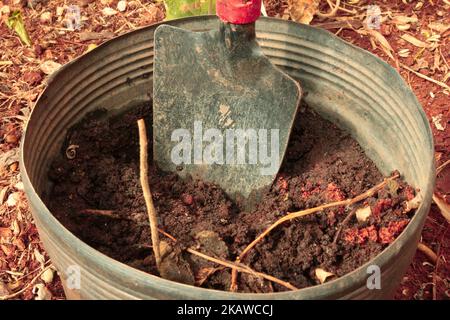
(350,86)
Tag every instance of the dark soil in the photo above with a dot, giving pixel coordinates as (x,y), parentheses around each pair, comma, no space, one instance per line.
(323,164)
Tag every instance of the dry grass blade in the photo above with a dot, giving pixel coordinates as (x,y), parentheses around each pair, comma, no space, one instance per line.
(439,83)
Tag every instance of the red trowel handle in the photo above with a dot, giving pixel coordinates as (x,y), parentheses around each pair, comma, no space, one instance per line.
(238,11)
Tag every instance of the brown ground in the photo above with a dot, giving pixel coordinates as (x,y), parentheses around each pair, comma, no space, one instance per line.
(21,80)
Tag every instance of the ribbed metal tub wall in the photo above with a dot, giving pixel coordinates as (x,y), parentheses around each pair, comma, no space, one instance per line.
(350,86)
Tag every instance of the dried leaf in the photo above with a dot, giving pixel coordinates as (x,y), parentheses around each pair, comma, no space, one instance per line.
(15,22)
(41,292)
(393,187)
(13,199)
(46,17)
(323,275)
(5,233)
(414,203)
(3,195)
(434,38)
(16,228)
(4,291)
(443,206)
(437,122)
(414,41)
(122,5)
(439,27)
(403,27)
(186,8)
(4,10)
(362,214)
(203,275)
(418,6)
(47,276)
(60,11)
(303,11)
(108,11)
(49,66)
(402,20)
(90,47)
(9,157)
(382,41)
(19,186)
(39,257)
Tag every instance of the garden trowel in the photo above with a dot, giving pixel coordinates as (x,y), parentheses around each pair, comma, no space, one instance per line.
(222,112)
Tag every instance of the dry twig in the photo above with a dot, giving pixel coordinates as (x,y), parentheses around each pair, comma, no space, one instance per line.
(442,167)
(428,252)
(153,219)
(439,83)
(334,9)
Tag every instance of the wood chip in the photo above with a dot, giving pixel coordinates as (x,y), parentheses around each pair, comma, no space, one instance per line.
(402,20)
(438,27)
(108,12)
(87,36)
(414,41)
(437,122)
(48,67)
(404,53)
